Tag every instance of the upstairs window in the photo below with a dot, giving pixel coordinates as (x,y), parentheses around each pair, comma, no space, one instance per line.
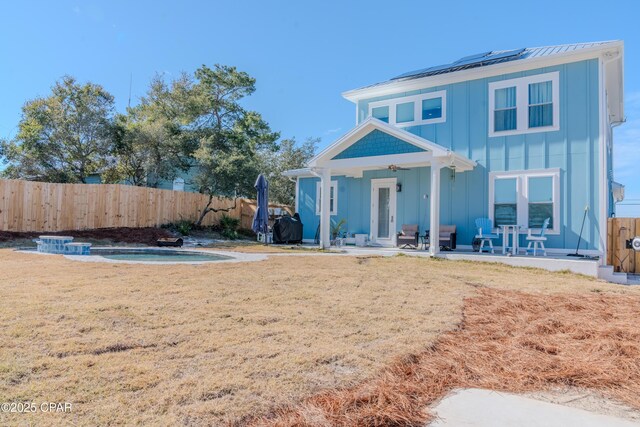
(431,108)
(423,109)
(381,113)
(506,110)
(541,104)
(405,112)
(524,105)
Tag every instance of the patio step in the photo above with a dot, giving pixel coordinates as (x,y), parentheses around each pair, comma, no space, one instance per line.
(605,272)
(633,279)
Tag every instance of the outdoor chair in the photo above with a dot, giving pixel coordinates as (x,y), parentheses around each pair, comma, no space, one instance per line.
(538,241)
(408,237)
(448,237)
(485,234)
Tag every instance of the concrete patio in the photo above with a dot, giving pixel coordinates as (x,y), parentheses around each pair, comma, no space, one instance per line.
(486,408)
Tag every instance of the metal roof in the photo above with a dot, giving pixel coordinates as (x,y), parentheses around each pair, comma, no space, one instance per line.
(491,58)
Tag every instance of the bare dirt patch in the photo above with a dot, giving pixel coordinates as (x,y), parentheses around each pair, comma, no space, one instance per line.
(141,236)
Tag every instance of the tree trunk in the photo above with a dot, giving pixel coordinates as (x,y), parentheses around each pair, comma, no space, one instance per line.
(208,209)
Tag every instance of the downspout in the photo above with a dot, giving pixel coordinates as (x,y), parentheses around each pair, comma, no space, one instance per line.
(606,58)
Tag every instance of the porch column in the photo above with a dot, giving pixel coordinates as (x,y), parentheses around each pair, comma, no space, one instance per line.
(434,208)
(325,209)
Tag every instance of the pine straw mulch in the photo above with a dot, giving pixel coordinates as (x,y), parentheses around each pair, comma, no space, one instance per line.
(508,341)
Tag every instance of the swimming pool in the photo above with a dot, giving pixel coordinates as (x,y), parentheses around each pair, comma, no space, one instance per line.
(157,255)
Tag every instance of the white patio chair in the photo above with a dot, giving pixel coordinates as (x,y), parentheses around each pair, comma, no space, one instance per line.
(538,241)
(485,233)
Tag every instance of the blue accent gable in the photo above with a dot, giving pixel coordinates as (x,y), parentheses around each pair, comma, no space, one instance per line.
(377,143)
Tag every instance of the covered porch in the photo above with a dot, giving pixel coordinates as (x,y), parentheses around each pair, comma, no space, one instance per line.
(376,154)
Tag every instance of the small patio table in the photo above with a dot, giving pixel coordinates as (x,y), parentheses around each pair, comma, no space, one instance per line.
(513,230)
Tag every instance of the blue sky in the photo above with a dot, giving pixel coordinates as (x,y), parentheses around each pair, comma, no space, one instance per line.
(302,53)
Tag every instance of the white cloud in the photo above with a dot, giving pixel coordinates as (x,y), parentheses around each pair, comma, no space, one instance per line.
(329,131)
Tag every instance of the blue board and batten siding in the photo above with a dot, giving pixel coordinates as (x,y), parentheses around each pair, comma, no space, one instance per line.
(573,149)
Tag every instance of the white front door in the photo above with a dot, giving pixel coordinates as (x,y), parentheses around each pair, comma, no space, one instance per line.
(383,211)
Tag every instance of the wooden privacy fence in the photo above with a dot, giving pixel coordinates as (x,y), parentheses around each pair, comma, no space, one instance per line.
(37,206)
(619,230)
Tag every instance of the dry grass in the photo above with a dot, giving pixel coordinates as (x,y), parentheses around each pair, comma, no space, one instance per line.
(202,345)
(509,341)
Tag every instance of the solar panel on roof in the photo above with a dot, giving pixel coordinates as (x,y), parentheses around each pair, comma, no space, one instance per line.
(477,60)
(471,58)
(423,71)
(504,55)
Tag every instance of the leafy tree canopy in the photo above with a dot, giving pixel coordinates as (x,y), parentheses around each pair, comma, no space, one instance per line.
(63,137)
(290,155)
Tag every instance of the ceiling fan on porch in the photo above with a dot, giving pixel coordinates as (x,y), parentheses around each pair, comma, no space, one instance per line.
(396,168)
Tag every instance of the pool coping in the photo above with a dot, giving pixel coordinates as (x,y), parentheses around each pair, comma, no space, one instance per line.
(234,257)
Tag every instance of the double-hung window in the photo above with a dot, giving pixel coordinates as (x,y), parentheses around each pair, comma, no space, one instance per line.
(423,109)
(540,200)
(505,207)
(525,198)
(524,105)
(505,112)
(333,198)
(541,104)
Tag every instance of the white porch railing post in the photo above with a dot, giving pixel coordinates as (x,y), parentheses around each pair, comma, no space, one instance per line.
(325,209)
(434,208)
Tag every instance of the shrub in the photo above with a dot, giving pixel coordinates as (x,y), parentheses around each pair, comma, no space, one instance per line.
(229,227)
(184,227)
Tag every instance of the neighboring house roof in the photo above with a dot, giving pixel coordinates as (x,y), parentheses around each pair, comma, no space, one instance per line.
(504,61)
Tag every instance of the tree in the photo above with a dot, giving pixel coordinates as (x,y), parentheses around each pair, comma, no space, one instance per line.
(229,137)
(64,137)
(289,156)
(153,141)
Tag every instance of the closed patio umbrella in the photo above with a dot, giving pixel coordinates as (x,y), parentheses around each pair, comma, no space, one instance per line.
(261,218)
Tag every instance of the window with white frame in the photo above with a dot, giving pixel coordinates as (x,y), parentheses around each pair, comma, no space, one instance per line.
(178,184)
(422,109)
(524,105)
(333,198)
(525,198)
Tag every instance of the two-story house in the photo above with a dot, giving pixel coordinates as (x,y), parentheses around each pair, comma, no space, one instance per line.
(516,136)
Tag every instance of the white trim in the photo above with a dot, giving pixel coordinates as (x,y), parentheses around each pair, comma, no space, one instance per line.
(522,103)
(522,188)
(434,208)
(334,186)
(396,86)
(376,184)
(178,184)
(417,108)
(603,195)
(376,162)
(297,199)
(450,158)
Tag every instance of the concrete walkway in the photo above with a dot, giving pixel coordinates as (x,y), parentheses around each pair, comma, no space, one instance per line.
(485,408)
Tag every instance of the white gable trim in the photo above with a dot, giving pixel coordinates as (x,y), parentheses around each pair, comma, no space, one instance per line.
(370,124)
